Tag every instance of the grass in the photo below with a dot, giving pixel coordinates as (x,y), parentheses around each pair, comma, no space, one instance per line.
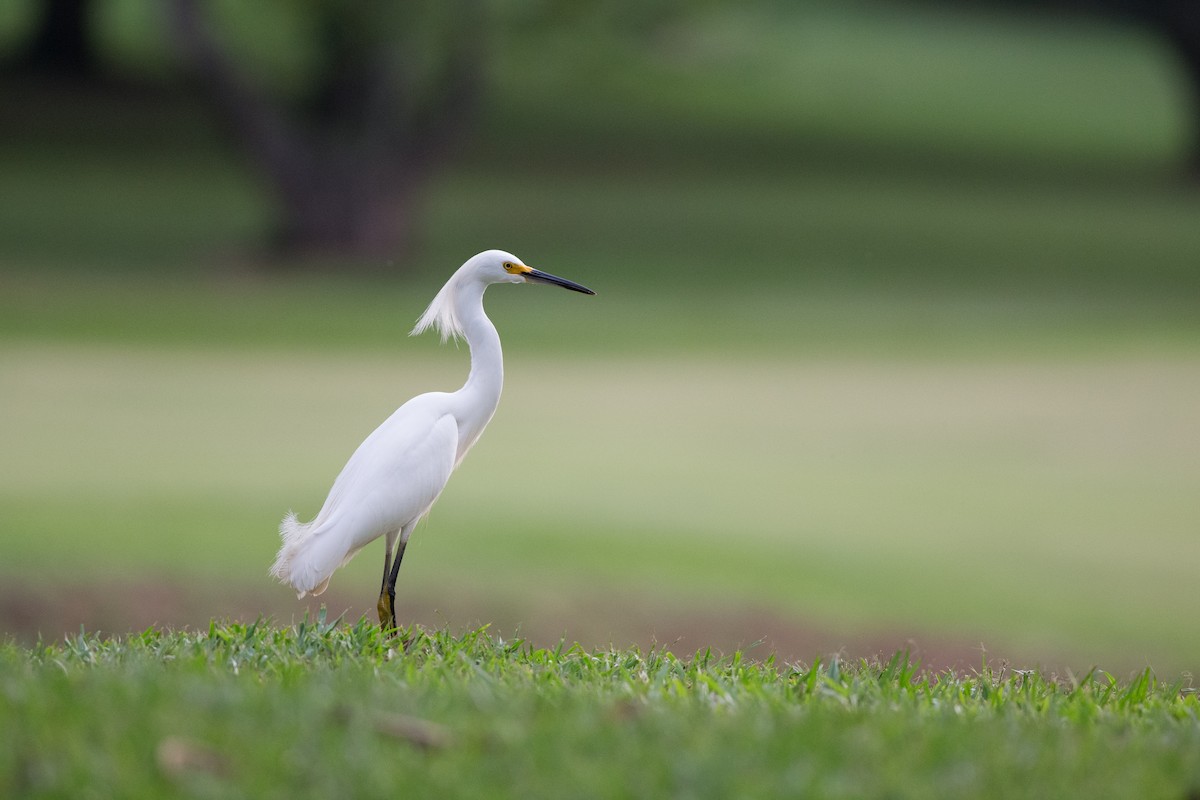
(259,711)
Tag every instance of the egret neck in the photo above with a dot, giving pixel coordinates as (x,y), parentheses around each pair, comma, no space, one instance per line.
(476,401)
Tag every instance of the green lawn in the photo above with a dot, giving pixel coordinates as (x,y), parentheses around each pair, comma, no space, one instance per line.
(259,712)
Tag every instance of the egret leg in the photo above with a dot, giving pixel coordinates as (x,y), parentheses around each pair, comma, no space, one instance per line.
(387,614)
(390,585)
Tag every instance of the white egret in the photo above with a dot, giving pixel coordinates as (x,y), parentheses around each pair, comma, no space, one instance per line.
(398,471)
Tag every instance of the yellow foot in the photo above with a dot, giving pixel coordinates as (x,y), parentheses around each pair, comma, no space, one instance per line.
(387,615)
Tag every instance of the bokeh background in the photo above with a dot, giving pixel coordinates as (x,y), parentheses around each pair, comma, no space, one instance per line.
(896,344)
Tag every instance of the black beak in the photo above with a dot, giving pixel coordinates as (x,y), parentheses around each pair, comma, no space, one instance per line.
(537,276)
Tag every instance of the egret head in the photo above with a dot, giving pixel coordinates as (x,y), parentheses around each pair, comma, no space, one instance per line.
(483,269)
(497,266)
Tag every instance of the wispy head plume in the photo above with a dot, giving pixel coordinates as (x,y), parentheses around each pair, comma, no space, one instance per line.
(441,313)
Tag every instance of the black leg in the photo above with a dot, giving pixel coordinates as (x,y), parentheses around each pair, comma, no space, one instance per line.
(390,582)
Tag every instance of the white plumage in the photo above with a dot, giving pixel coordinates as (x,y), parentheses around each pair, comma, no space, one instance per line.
(393,478)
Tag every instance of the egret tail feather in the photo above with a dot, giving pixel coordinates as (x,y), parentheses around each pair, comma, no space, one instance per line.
(306,559)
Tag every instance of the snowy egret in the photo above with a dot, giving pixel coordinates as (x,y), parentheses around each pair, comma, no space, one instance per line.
(398,471)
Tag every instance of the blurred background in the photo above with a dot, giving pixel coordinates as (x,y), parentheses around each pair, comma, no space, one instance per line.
(896,344)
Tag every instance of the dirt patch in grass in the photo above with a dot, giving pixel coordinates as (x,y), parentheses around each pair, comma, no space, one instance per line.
(28,612)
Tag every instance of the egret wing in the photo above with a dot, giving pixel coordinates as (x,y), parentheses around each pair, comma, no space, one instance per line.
(395,475)
(392,479)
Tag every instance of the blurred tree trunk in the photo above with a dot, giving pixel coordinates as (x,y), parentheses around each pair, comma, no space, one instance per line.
(1181,25)
(62,45)
(349,163)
